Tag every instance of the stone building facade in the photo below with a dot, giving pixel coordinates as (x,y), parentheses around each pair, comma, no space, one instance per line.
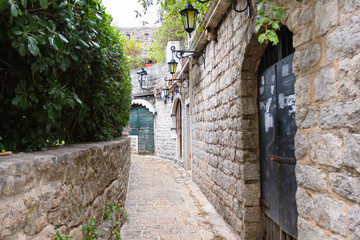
(223,108)
(220,138)
(141,34)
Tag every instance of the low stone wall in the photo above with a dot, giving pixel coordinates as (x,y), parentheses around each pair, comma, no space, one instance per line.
(61,189)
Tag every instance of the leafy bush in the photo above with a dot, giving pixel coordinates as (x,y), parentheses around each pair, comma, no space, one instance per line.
(63,74)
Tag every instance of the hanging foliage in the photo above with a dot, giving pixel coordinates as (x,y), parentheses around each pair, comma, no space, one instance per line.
(63,74)
(267,24)
(171,28)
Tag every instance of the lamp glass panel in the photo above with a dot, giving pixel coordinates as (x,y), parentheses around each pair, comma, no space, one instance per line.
(185,19)
(172,67)
(192,19)
(166,92)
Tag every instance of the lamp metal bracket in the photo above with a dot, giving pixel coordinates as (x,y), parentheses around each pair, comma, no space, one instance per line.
(180,54)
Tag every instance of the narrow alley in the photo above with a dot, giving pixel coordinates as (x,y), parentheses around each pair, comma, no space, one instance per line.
(164,203)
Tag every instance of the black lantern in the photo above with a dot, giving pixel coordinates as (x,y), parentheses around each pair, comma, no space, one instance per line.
(189,14)
(166,92)
(172,66)
(142,74)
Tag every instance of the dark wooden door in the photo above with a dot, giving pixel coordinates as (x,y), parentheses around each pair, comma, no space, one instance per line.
(277,130)
(179,126)
(142,124)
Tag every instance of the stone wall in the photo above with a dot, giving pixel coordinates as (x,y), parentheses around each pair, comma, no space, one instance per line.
(61,189)
(141,34)
(165,138)
(225,122)
(155,79)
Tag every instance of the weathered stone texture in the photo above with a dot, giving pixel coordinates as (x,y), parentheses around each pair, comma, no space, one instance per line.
(344,41)
(327,15)
(330,214)
(348,77)
(341,115)
(354,221)
(305,204)
(351,5)
(326,149)
(301,145)
(61,188)
(302,86)
(308,231)
(308,58)
(324,84)
(307,117)
(346,186)
(310,177)
(352,154)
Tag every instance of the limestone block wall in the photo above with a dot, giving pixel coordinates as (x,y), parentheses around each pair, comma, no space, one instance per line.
(328,118)
(225,122)
(165,138)
(61,189)
(155,79)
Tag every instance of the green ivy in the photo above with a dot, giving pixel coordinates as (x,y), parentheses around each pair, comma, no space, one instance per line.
(90,230)
(64,74)
(60,236)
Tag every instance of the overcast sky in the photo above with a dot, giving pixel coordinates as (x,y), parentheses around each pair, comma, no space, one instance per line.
(123,13)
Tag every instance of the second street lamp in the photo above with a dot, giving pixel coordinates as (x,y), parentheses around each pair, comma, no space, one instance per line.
(166,92)
(172,66)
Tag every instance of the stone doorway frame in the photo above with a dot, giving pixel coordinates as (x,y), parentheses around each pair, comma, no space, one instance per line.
(177,99)
(250,157)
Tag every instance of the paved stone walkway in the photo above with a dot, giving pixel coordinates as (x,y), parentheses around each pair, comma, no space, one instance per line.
(163,203)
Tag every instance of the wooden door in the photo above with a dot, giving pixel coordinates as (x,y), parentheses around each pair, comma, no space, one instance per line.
(142,124)
(277,130)
(179,127)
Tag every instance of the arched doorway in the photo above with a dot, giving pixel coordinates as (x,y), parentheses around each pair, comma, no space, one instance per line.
(142,125)
(277,129)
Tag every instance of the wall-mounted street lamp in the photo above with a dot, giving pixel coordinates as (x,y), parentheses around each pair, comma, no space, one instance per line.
(172,65)
(180,54)
(166,91)
(188,15)
(142,77)
(164,95)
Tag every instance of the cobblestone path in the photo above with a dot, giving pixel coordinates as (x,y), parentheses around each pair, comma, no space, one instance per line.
(163,203)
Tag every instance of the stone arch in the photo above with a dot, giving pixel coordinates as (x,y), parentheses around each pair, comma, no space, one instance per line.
(179,138)
(249,134)
(144,103)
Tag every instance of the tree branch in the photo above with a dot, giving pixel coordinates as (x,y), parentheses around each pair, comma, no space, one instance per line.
(4,62)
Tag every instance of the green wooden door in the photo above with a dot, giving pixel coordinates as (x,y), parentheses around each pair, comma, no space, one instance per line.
(142,125)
